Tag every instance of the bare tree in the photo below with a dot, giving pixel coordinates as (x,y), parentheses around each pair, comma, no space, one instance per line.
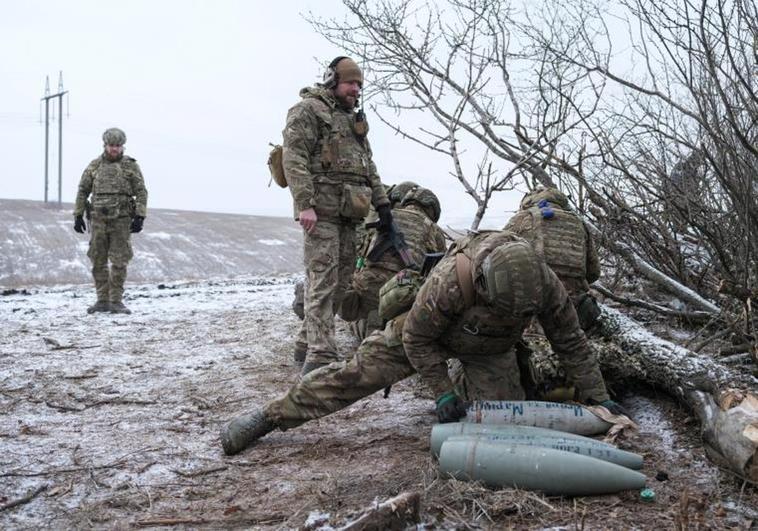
(532,95)
(451,73)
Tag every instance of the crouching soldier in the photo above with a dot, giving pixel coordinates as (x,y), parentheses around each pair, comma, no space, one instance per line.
(560,237)
(416,217)
(474,306)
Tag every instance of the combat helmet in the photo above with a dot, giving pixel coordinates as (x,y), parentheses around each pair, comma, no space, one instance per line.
(552,195)
(114,136)
(397,192)
(426,199)
(510,277)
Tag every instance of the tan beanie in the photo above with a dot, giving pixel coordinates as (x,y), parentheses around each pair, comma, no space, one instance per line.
(348,71)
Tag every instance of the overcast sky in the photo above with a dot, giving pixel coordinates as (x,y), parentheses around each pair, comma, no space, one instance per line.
(200,87)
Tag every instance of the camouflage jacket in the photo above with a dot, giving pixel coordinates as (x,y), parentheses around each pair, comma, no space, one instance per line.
(117,188)
(422,236)
(439,326)
(327,166)
(563,241)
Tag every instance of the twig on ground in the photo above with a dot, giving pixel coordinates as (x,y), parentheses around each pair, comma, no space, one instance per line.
(201,472)
(170,521)
(25,499)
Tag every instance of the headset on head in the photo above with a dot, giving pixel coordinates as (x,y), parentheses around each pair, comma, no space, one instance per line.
(331,78)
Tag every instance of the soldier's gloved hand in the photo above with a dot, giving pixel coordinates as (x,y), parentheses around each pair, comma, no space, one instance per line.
(385,218)
(137,222)
(450,407)
(614,407)
(79,225)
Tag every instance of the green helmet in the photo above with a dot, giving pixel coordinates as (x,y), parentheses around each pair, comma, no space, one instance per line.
(114,137)
(511,279)
(397,192)
(426,199)
(551,195)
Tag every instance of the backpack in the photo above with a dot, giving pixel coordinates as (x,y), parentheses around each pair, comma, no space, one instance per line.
(396,296)
(398,293)
(275,166)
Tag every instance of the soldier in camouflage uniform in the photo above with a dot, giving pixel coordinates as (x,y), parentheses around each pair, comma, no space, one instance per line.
(118,208)
(329,169)
(416,217)
(363,237)
(507,285)
(560,236)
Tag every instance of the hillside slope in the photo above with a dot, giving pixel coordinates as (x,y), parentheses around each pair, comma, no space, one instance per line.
(40,246)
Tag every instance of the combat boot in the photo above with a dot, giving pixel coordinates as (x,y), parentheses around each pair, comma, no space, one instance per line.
(118,307)
(244,431)
(298,356)
(309,366)
(99,306)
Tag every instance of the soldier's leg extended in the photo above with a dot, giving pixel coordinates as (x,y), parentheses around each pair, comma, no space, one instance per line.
(488,377)
(321,256)
(120,253)
(378,363)
(98,254)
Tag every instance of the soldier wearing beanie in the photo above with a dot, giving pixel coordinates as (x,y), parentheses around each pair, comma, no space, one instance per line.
(329,169)
(118,208)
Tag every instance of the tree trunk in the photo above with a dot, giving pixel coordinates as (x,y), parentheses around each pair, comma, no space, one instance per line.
(630,352)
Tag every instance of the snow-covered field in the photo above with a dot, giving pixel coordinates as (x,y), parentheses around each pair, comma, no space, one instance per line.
(40,247)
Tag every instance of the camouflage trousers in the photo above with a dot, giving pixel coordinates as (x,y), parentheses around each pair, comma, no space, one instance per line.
(360,304)
(380,361)
(110,240)
(329,256)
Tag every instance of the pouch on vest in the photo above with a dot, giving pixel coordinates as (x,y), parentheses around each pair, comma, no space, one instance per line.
(398,293)
(356,201)
(111,206)
(276,167)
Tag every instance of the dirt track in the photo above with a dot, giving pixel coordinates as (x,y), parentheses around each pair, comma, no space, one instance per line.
(118,416)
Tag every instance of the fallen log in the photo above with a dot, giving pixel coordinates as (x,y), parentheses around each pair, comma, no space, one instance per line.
(730,430)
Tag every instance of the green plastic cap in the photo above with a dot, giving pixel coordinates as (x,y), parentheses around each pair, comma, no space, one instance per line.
(647,495)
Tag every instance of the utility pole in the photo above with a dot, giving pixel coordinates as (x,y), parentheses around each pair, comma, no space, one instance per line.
(46,98)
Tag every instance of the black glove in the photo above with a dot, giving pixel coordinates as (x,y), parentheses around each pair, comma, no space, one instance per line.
(385,218)
(79,225)
(615,408)
(136,224)
(450,408)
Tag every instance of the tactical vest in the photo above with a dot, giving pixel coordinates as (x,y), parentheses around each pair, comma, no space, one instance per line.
(111,190)
(560,241)
(340,165)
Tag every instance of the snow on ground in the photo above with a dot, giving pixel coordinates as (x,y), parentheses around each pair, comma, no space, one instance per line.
(115,413)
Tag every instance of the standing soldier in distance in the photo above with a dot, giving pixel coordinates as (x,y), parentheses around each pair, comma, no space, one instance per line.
(329,169)
(119,207)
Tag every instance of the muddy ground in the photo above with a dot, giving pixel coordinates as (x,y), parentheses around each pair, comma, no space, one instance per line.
(111,422)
